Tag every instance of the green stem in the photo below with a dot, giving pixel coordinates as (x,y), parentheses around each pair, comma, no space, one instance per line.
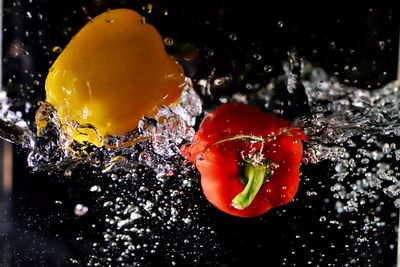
(255,175)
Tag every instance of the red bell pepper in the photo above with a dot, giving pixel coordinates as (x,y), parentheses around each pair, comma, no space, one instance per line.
(249,160)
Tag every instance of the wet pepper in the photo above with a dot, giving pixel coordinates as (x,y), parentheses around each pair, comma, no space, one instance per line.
(249,160)
(114,71)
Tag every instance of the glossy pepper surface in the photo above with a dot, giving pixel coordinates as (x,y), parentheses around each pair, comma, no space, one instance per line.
(114,71)
(249,160)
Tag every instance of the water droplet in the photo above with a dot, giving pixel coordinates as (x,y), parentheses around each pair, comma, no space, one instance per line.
(95,188)
(168,41)
(386,149)
(311,193)
(68,172)
(322,219)
(80,210)
(268,68)
(149,8)
(108,204)
(392,190)
(233,36)
(381,45)
(218,82)
(187,220)
(56,49)
(365,161)
(257,56)
(200,156)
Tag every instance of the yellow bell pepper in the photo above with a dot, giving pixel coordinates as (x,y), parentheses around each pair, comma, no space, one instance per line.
(114,71)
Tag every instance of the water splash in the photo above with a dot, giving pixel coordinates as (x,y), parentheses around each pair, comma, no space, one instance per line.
(12,126)
(150,192)
(150,143)
(356,130)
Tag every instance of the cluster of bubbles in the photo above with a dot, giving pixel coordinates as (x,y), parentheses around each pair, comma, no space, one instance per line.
(152,192)
(358,131)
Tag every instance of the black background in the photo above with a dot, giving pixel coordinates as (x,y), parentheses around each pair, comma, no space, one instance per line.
(337,38)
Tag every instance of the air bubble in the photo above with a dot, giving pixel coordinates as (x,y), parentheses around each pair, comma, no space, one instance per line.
(381,45)
(95,188)
(233,36)
(56,49)
(80,210)
(257,56)
(168,41)
(200,156)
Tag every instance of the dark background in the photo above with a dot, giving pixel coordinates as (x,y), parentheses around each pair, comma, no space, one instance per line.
(358,44)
